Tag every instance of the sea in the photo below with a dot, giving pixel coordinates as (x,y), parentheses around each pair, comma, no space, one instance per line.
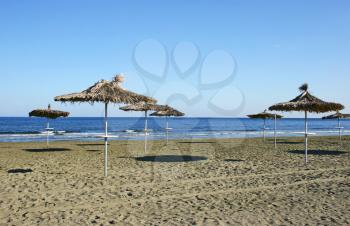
(25,129)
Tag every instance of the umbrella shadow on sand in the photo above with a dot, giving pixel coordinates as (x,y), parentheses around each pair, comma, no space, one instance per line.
(46,149)
(290,142)
(317,152)
(93,144)
(171,158)
(20,171)
(197,142)
(233,160)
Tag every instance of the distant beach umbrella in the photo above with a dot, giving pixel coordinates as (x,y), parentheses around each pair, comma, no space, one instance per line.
(49,114)
(145,107)
(266,115)
(338,116)
(307,103)
(168,113)
(106,92)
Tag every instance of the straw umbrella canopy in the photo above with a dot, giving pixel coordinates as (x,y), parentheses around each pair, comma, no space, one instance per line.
(338,116)
(307,103)
(106,92)
(169,111)
(49,114)
(266,115)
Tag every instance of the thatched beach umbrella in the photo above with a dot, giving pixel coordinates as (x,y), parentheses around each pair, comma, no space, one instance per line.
(307,103)
(167,113)
(49,114)
(143,106)
(266,115)
(338,116)
(106,92)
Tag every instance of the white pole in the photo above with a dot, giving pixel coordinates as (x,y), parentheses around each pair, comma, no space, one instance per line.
(47,134)
(167,130)
(306,137)
(339,129)
(106,141)
(275,131)
(146,125)
(264,129)
(167,123)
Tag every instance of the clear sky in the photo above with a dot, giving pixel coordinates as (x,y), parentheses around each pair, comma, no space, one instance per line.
(49,48)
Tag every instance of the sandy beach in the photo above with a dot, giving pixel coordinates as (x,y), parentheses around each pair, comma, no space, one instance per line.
(187,182)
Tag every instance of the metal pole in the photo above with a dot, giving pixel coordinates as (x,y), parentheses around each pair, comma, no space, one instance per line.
(146,125)
(167,123)
(167,130)
(47,134)
(264,129)
(306,137)
(339,126)
(106,141)
(275,131)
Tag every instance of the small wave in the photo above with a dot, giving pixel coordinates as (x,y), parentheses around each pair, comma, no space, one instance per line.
(21,132)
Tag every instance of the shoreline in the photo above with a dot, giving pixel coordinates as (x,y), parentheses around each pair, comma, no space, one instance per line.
(301,136)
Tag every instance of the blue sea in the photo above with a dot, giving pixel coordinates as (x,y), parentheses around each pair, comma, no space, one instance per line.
(24,129)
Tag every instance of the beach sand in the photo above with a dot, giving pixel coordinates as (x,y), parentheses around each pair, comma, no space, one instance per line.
(225,182)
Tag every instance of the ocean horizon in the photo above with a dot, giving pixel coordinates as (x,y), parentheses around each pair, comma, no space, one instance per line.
(25,129)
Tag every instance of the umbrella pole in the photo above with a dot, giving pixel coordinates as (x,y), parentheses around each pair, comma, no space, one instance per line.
(146,125)
(146,122)
(339,126)
(167,122)
(275,133)
(167,130)
(47,134)
(264,129)
(106,141)
(306,137)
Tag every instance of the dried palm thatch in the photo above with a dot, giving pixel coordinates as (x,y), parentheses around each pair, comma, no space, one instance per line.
(48,113)
(106,92)
(143,106)
(307,102)
(168,112)
(337,115)
(265,115)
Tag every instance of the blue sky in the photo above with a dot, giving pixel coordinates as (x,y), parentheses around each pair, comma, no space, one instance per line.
(49,48)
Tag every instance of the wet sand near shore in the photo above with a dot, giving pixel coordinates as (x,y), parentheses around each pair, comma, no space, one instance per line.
(187,182)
